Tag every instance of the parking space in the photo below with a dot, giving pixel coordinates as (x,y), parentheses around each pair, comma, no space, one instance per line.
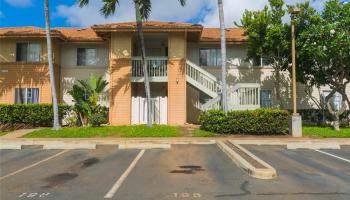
(13,160)
(344,152)
(184,172)
(308,173)
(75,174)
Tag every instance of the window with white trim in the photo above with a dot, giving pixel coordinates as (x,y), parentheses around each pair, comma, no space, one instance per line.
(86,57)
(266,98)
(28,52)
(336,99)
(26,95)
(210,57)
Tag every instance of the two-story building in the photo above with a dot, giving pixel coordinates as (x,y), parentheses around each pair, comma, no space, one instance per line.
(184,66)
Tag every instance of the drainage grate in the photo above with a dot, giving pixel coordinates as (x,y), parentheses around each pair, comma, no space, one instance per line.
(245,156)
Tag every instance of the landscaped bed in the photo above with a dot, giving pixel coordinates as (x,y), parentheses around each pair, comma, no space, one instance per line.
(108,131)
(326,132)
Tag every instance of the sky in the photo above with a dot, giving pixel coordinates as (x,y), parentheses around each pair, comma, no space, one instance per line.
(66,13)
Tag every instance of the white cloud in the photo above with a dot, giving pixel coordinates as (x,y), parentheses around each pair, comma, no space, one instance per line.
(19,3)
(164,10)
(199,11)
(234,9)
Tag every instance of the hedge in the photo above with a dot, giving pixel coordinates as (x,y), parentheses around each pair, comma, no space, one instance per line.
(31,114)
(316,115)
(254,122)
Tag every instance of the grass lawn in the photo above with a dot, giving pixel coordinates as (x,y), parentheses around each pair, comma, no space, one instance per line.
(202,133)
(3,133)
(108,131)
(327,132)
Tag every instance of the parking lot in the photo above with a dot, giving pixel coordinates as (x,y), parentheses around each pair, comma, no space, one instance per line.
(182,172)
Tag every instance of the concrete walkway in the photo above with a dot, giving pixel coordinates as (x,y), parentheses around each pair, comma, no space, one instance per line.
(18,133)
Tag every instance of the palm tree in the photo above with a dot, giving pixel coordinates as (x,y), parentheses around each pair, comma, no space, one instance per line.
(56,124)
(142,11)
(86,94)
(223,55)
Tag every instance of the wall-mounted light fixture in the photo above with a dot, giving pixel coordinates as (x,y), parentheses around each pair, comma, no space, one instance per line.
(177,80)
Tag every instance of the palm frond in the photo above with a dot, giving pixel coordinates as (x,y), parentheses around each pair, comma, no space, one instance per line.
(83,3)
(182,2)
(145,7)
(109,7)
(100,85)
(85,84)
(92,82)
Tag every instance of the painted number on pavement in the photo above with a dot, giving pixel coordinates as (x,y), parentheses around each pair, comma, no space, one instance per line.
(26,195)
(185,195)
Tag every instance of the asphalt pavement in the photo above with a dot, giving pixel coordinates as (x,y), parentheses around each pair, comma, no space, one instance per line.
(184,172)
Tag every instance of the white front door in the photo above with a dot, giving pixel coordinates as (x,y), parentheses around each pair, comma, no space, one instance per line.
(159,107)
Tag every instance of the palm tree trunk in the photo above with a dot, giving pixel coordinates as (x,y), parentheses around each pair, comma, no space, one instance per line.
(223,55)
(144,63)
(56,125)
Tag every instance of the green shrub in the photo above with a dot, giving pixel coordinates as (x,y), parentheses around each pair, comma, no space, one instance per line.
(255,122)
(316,115)
(31,114)
(100,117)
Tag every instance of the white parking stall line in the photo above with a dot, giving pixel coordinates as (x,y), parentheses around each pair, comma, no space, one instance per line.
(119,182)
(32,165)
(332,155)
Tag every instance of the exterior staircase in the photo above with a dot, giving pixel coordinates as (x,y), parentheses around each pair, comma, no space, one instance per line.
(241,96)
(206,83)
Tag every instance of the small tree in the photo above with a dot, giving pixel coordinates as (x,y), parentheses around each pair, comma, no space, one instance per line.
(86,94)
(269,40)
(324,53)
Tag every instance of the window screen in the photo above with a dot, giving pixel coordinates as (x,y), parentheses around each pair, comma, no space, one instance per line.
(86,57)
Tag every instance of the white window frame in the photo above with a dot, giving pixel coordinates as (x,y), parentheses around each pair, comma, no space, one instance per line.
(29,44)
(218,56)
(261,97)
(26,95)
(86,63)
(325,93)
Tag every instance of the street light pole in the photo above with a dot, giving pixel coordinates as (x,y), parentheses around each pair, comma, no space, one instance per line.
(294,82)
(296,121)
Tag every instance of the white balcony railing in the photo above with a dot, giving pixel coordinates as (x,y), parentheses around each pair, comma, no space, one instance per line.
(157,69)
(246,96)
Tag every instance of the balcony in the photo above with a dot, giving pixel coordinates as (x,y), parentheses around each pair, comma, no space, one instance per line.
(157,69)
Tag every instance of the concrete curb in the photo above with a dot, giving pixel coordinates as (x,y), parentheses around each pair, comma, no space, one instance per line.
(60,143)
(261,173)
(144,146)
(10,146)
(291,143)
(69,146)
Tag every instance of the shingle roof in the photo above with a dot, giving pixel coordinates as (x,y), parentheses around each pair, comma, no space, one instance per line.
(80,34)
(232,35)
(26,31)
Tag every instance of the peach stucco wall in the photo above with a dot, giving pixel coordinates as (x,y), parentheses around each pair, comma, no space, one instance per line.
(177,79)
(24,75)
(120,79)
